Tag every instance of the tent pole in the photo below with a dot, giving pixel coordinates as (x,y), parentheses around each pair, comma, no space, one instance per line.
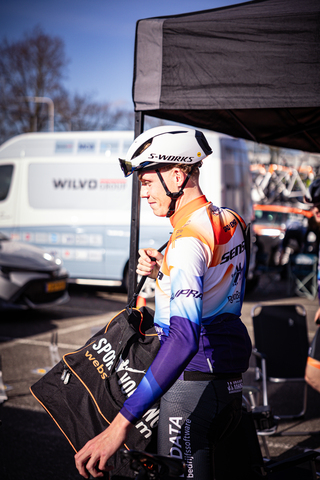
(135,216)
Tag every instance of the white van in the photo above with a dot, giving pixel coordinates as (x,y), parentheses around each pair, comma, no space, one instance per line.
(66,193)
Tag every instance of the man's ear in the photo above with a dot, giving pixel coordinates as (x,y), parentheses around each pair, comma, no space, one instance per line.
(179,177)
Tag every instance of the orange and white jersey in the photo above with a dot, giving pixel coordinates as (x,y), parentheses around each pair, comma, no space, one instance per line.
(205,260)
(199,294)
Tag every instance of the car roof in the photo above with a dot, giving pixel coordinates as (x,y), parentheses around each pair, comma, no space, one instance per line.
(283,209)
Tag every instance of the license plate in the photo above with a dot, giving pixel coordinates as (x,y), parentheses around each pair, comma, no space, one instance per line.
(56,286)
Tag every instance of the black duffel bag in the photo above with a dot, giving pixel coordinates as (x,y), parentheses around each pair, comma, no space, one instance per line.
(87,388)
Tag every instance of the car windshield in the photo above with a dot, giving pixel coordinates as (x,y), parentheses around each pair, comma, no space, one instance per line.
(270,218)
(278,219)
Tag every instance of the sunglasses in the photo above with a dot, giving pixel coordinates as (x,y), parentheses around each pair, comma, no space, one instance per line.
(126,167)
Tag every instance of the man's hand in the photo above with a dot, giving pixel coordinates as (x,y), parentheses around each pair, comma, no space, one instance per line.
(92,458)
(149,262)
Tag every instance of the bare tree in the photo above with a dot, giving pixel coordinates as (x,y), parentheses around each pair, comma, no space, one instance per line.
(81,113)
(32,67)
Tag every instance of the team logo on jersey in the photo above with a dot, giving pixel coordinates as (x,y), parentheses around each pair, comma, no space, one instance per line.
(230,225)
(215,210)
(188,292)
(234,252)
(237,275)
(236,297)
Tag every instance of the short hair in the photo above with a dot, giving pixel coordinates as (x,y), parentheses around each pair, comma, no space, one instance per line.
(169,166)
(184,168)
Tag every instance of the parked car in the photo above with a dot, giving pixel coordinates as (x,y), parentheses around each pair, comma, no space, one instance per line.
(279,230)
(30,277)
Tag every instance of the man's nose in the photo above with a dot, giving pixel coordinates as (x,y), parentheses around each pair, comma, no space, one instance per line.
(143,192)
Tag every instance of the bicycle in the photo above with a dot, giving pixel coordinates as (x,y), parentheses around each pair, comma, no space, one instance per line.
(148,466)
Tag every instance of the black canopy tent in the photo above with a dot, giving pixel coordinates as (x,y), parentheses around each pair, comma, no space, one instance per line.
(250,70)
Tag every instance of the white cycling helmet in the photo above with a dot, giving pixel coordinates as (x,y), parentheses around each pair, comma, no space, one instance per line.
(162,145)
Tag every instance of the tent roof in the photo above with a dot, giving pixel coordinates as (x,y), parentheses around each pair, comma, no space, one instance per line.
(250,70)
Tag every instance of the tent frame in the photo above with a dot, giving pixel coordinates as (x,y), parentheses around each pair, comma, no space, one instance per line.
(135,216)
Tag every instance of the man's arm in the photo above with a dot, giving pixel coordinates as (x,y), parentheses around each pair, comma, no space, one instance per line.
(93,457)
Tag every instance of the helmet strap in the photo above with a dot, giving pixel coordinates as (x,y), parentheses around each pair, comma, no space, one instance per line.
(173,195)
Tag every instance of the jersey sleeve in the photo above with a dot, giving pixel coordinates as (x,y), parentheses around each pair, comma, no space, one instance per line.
(186,268)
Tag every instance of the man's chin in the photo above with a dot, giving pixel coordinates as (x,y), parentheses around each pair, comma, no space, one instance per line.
(158,213)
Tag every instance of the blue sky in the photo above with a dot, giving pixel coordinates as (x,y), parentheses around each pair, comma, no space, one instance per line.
(98,35)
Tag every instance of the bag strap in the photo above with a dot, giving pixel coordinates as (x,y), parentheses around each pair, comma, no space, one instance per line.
(247,238)
(142,281)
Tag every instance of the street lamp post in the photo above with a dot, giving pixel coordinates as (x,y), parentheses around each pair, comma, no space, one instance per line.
(50,104)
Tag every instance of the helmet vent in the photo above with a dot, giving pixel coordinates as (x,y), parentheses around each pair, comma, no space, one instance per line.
(202,141)
(142,148)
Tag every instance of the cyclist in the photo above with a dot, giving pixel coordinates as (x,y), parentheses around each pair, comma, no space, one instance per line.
(199,293)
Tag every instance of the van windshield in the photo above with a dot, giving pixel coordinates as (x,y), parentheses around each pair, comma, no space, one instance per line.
(5,180)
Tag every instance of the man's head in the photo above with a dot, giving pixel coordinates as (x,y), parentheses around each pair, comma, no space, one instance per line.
(165,145)
(313,199)
(162,150)
(171,178)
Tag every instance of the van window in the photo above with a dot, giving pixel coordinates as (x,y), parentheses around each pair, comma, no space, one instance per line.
(5,180)
(109,148)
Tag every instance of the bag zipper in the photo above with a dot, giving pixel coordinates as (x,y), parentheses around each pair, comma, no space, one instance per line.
(66,374)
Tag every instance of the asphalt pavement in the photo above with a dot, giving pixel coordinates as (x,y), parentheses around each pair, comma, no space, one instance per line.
(31,446)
